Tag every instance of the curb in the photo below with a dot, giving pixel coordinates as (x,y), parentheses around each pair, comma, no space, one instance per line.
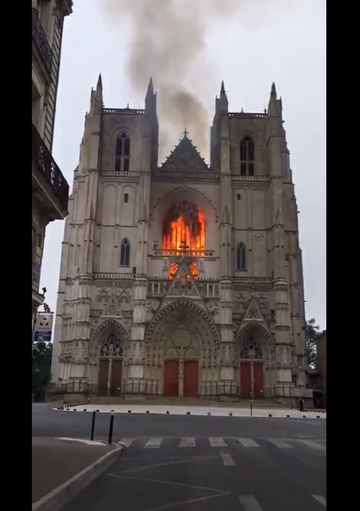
(209,414)
(60,496)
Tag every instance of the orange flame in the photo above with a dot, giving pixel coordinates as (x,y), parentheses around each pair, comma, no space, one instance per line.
(182,232)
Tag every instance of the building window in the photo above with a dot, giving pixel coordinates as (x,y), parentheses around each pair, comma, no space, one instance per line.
(126,197)
(247,156)
(241,257)
(122,153)
(125,252)
(239,196)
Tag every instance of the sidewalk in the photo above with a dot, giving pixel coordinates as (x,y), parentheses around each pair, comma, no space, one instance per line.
(199,410)
(56,462)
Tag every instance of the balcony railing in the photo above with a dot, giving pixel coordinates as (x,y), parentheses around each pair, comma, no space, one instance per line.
(46,164)
(35,276)
(40,39)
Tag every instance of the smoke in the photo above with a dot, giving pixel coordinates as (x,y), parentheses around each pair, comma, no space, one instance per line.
(168,39)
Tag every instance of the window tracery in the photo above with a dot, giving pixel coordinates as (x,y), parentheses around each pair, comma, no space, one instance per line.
(247,156)
(112,346)
(251,349)
(241,256)
(122,152)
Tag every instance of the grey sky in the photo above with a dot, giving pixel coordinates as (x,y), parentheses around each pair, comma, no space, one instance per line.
(284,41)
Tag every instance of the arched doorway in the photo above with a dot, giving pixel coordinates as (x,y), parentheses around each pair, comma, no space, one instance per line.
(110,364)
(181,364)
(182,350)
(251,369)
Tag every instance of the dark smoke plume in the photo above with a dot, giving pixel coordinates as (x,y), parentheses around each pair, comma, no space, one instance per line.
(167,42)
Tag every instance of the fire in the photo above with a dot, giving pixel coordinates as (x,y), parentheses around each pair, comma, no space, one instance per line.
(184,229)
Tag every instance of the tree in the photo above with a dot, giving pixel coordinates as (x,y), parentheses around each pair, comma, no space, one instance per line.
(41,368)
(312,331)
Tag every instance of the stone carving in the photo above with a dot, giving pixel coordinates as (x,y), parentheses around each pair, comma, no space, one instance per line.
(213,308)
(114,301)
(251,350)
(111,347)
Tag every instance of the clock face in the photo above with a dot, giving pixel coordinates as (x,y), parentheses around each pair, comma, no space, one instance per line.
(258,236)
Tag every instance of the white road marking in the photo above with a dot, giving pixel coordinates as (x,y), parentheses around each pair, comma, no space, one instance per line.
(126,442)
(249,503)
(320,499)
(227,459)
(279,443)
(153,443)
(247,442)
(187,442)
(217,442)
(313,445)
(81,440)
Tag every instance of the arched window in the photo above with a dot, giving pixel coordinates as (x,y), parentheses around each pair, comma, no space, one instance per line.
(247,156)
(125,253)
(241,256)
(122,153)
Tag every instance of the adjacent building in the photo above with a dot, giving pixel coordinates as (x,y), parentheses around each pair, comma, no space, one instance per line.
(50,189)
(183,280)
(321,364)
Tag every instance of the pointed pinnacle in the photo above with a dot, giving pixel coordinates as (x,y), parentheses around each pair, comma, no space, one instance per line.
(222,87)
(273,89)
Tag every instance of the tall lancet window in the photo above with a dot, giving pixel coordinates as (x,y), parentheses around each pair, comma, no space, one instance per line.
(122,152)
(241,257)
(247,156)
(125,252)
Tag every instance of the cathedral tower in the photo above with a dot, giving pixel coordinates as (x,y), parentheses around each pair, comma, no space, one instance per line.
(183,280)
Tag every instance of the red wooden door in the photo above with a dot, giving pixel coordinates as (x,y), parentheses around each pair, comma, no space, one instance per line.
(245,380)
(171,378)
(258,380)
(103,377)
(116,377)
(191,378)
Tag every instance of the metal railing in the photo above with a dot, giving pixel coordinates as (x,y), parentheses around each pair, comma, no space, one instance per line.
(40,39)
(46,164)
(36,276)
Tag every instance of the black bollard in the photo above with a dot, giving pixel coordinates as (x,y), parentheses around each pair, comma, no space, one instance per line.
(251,406)
(111,427)
(93,425)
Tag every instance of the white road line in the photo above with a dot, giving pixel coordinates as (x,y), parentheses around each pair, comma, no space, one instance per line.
(81,440)
(153,443)
(126,442)
(247,442)
(187,442)
(313,445)
(279,443)
(320,499)
(249,503)
(227,459)
(217,442)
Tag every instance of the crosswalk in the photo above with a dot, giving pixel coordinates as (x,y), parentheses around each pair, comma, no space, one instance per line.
(250,503)
(248,443)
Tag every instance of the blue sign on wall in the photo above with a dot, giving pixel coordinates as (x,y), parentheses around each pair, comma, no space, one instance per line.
(42,335)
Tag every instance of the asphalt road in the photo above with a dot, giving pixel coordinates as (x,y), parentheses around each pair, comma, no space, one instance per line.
(233,475)
(48,422)
(193,463)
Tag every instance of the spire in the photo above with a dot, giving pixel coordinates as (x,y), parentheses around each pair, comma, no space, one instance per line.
(223,103)
(97,97)
(273,90)
(272,107)
(150,98)
(99,86)
(150,89)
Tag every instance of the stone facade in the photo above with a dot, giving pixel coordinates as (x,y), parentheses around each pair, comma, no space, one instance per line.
(184,280)
(50,189)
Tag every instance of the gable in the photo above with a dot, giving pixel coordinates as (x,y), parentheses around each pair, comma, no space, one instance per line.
(185,159)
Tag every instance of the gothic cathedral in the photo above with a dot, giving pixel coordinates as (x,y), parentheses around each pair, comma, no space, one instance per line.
(185,280)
